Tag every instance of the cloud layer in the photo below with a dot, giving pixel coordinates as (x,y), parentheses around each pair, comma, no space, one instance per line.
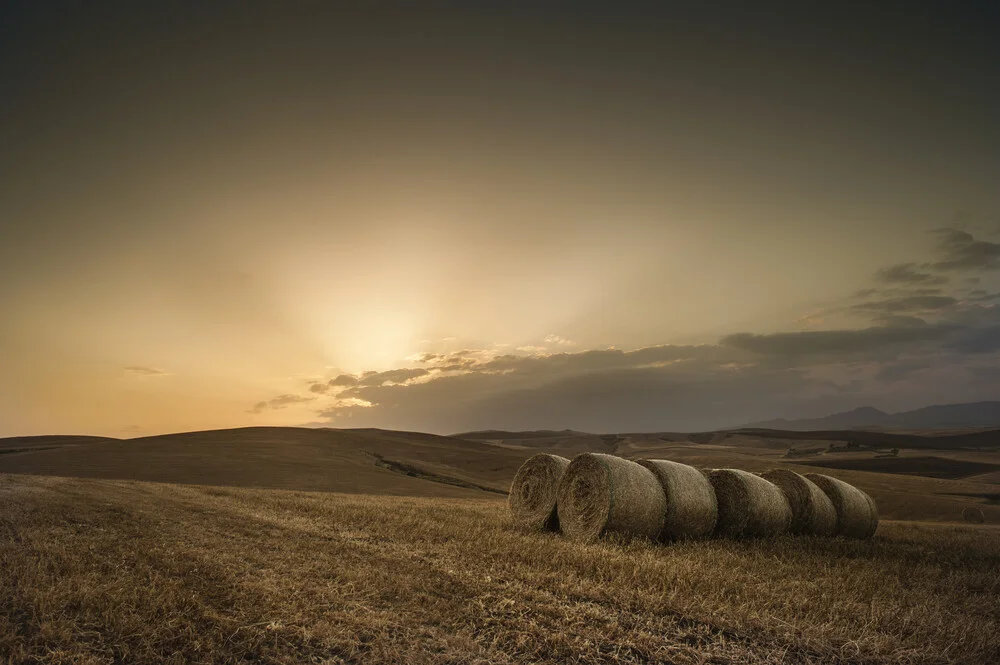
(915,339)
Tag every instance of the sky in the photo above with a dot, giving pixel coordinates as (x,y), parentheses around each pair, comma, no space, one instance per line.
(493,215)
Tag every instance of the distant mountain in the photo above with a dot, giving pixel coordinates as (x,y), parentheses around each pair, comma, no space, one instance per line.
(940,416)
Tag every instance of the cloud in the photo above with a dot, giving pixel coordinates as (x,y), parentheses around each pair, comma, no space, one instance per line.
(341,381)
(961,251)
(898,371)
(141,370)
(391,376)
(912,303)
(279,402)
(899,321)
(978,341)
(838,342)
(905,273)
(923,345)
(980,295)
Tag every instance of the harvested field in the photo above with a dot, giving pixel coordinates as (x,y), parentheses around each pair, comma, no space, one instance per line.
(931,467)
(166,574)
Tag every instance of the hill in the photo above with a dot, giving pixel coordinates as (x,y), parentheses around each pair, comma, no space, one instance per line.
(374,461)
(505,435)
(357,461)
(941,416)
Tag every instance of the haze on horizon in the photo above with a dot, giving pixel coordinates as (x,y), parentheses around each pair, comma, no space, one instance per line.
(226,214)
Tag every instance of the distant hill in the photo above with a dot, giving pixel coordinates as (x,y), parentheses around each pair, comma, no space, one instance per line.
(505,435)
(941,416)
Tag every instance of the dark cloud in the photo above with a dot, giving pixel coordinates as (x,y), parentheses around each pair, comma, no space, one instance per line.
(898,371)
(744,378)
(986,373)
(978,341)
(321,388)
(899,321)
(961,251)
(905,273)
(911,303)
(980,295)
(279,402)
(642,398)
(834,342)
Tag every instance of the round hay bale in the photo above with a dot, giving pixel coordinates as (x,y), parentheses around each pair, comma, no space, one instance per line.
(857,515)
(874,512)
(813,513)
(691,506)
(973,515)
(532,495)
(602,494)
(749,506)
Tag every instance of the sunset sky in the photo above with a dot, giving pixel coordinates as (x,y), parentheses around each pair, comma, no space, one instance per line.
(218,214)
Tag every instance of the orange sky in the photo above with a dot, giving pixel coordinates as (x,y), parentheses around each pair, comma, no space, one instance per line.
(208,214)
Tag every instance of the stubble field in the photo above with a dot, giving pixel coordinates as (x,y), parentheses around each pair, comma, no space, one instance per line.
(101,571)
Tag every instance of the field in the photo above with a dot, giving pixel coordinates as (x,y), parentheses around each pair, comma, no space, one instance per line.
(97,571)
(203,547)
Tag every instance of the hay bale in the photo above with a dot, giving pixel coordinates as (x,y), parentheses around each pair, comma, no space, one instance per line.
(973,515)
(857,515)
(532,495)
(813,513)
(603,494)
(691,506)
(749,506)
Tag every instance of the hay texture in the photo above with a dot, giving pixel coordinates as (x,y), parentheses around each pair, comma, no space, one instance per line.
(602,494)
(973,515)
(857,515)
(532,496)
(813,513)
(749,506)
(691,506)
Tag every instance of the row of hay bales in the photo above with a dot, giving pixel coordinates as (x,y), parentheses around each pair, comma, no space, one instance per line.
(599,494)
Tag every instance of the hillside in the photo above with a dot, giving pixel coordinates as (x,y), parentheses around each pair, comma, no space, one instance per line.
(357,461)
(915,485)
(505,435)
(940,416)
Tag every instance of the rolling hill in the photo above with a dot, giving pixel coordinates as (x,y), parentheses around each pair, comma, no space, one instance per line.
(940,416)
(355,461)
(916,484)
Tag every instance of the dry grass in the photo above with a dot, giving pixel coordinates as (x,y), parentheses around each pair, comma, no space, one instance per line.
(114,571)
